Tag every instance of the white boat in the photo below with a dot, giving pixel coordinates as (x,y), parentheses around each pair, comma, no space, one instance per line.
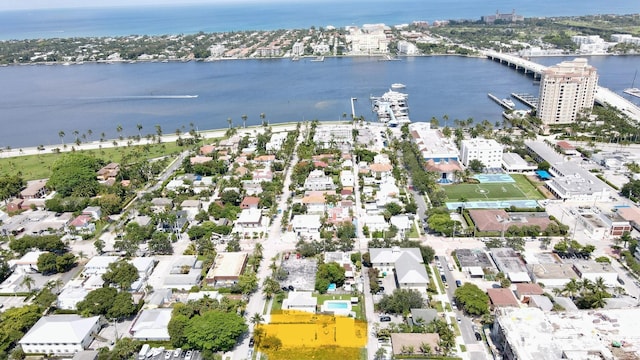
(509,102)
(398,86)
(633,92)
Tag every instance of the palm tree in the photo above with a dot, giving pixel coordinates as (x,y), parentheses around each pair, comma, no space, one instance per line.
(61,134)
(244,120)
(425,348)
(262,117)
(82,255)
(229,121)
(256,319)
(139,126)
(258,250)
(28,282)
(599,285)
(572,288)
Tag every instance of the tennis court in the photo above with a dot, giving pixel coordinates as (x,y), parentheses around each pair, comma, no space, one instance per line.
(494,178)
(498,204)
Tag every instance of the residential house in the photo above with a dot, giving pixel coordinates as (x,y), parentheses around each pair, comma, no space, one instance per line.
(183,273)
(315,202)
(402,341)
(251,187)
(71,295)
(402,223)
(199,159)
(318,181)
(375,223)
(250,221)
(108,173)
(161,204)
(82,224)
(174,221)
(226,269)
(300,301)
(27,264)
(347,178)
(307,226)
(152,325)
(592,270)
(250,202)
(265,160)
(94,211)
(411,274)
(502,297)
(36,189)
(207,149)
(262,175)
(60,335)
(192,208)
(525,290)
(387,260)
(98,265)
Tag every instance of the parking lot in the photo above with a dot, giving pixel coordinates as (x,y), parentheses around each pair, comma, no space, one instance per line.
(302,273)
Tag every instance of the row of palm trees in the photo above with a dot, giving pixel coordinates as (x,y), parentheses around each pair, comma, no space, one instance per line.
(244,118)
(586,293)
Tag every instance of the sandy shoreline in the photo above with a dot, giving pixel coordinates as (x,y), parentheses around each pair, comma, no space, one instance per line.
(109,143)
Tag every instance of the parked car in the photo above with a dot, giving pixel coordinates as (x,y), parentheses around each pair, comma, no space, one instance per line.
(251,341)
(188,355)
(458,283)
(385,318)
(478,336)
(291,288)
(284,288)
(444,278)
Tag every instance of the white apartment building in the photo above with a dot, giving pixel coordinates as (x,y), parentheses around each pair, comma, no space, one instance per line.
(297,49)
(488,151)
(566,89)
(407,48)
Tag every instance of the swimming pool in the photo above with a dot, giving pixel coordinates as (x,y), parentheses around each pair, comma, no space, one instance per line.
(338,307)
(333,305)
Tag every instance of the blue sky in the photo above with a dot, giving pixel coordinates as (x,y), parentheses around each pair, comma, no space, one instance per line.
(51,4)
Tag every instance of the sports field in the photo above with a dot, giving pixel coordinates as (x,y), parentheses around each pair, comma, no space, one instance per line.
(521,189)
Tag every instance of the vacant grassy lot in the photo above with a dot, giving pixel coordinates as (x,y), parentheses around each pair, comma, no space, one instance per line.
(39,166)
(520,190)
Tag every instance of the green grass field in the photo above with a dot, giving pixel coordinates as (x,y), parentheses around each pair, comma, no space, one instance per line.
(39,166)
(520,190)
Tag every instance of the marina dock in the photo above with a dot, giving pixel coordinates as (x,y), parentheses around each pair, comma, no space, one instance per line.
(318,59)
(501,102)
(527,99)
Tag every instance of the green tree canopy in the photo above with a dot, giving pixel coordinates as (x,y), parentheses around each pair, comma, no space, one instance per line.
(473,300)
(97,302)
(327,274)
(10,185)
(75,174)
(401,301)
(214,331)
(122,274)
(122,306)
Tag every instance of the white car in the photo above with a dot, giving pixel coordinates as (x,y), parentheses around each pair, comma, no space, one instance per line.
(188,355)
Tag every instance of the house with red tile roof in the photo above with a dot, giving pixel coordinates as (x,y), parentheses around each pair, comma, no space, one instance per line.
(250,202)
(502,297)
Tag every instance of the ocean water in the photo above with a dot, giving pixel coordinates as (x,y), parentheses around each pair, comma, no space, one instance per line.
(240,15)
(36,102)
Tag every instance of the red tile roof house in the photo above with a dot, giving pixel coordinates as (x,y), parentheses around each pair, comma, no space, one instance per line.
(207,149)
(82,224)
(250,202)
(109,171)
(35,189)
(525,290)
(502,297)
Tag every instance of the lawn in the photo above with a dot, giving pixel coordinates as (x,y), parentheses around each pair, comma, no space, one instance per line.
(520,190)
(39,166)
(358,309)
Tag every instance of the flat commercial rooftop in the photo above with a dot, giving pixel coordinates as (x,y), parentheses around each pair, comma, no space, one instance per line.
(585,334)
(473,257)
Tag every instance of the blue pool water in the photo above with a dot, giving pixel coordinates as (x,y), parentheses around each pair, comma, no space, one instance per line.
(336,305)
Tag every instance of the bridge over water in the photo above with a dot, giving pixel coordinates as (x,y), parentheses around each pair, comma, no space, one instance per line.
(604,96)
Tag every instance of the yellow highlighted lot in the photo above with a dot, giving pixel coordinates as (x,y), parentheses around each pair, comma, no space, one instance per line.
(312,336)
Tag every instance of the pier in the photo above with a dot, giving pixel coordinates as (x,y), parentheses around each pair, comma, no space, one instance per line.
(318,59)
(500,102)
(527,99)
(604,96)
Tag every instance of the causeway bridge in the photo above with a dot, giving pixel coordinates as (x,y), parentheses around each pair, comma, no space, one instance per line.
(604,96)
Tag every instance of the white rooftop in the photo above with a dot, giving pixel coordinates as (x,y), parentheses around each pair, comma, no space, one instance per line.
(66,329)
(584,334)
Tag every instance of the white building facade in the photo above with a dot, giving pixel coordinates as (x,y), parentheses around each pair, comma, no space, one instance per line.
(488,151)
(566,90)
